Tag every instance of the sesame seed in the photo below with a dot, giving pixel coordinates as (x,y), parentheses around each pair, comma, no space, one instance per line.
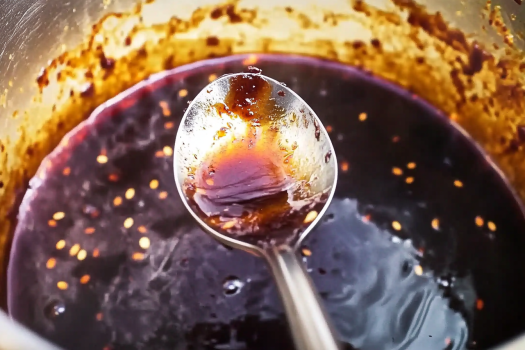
(362,117)
(435,224)
(228,225)
(154,184)
(144,243)
(61,244)
(117,201)
(329,128)
(51,263)
(168,151)
(345,166)
(113,177)
(165,108)
(418,270)
(130,193)
(306,252)
(409,180)
(397,171)
(142,229)
(100,316)
(89,230)
(52,223)
(85,279)
(66,171)
(82,255)
(102,159)
(212,77)
(138,256)
(458,183)
(128,222)
(479,221)
(183,93)
(159,154)
(59,216)
(411,165)
(169,125)
(62,285)
(163,195)
(96,253)
(310,217)
(396,225)
(491,226)
(74,250)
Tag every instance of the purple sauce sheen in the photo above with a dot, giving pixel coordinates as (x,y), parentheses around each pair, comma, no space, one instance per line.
(413,288)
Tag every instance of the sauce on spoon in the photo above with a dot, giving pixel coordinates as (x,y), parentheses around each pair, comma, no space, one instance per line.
(245,185)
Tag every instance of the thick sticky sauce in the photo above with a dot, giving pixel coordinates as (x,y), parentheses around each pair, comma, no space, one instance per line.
(244,186)
(248,96)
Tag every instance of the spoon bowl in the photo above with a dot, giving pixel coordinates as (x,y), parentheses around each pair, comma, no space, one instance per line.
(256,168)
(305,152)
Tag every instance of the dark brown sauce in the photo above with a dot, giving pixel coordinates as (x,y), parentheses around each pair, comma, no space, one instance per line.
(187,292)
(248,96)
(244,187)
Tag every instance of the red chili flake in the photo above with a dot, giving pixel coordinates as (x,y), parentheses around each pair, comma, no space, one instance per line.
(480,304)
(113,177)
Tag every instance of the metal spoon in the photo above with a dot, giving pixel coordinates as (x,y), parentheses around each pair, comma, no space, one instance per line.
(315,161)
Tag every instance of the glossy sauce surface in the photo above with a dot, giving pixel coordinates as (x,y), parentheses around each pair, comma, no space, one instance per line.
(421,248)
(248,96)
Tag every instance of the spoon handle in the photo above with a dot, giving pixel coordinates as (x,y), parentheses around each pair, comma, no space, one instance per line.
(15,337)
(309,323)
